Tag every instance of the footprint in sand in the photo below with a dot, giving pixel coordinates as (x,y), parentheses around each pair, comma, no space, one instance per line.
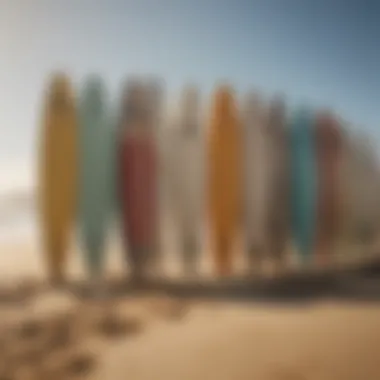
(172,310)
(34,341)
(30,330)
(112,326)
(27,289)
(9,296)
(73,366)
(178,311)
(110,321)
(24,357)
(18,294)
(62,332)
(78,366)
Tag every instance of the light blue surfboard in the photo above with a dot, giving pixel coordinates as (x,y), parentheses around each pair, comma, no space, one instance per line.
(303,181)
(96,172)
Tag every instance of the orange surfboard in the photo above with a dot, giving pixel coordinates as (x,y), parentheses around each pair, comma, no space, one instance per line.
(224,178)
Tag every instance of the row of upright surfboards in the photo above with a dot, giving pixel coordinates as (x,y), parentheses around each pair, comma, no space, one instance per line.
(251,168)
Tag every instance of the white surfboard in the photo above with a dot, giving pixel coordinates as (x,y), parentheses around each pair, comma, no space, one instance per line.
(279,187)
(185,178)
(256,178)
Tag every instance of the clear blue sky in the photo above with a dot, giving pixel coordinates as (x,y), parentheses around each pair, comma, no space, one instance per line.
(323,51)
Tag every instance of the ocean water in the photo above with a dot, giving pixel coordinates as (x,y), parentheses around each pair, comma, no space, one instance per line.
(18,227)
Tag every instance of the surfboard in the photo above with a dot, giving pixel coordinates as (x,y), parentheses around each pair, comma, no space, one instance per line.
(138,158)
(224,176)
(303,182)
(256,179)
(329,154)
(279,187)
(96,172)
(58,174)
(185,166)
(359,213)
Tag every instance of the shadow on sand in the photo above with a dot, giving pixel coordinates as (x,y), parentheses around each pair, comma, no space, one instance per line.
(356,283)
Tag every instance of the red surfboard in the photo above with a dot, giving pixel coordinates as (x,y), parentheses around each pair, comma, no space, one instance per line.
(329,154)
(138,179)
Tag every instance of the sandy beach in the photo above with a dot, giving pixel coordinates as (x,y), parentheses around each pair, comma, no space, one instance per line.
(162,338)
(254,342)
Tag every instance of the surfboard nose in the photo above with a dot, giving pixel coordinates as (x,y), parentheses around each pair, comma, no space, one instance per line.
(189,108)
(253,107)
(252,100)
(59,84)
(134,100)
(93,93)
(93,83)
(224,100)
(277,116)
(302,115)
(328,129)
(303,123)
(155,87)
(59,94)
(133,93)
(190,99)
(278,108)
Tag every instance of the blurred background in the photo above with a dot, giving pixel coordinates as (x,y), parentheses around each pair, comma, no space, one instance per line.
(321,53)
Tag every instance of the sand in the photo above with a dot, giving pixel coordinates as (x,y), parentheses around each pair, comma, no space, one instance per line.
(160,338)
(236,342)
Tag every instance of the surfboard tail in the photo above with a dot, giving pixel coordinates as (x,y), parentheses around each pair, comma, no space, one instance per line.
(223,258)
(190,248)
(55,261)
(329,154)
(141,260)
(94,257)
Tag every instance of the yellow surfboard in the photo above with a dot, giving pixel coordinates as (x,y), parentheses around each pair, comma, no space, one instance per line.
(224,177)
(58,174)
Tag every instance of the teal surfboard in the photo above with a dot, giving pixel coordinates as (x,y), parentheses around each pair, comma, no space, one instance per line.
(303,181)
(96,172)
